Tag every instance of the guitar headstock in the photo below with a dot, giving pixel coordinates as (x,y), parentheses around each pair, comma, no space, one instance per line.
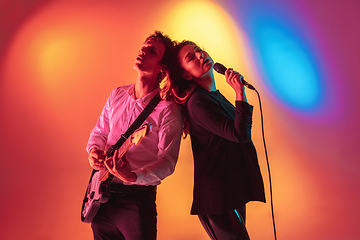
(139,134)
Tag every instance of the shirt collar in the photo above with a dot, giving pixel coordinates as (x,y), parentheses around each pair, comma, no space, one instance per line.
(144,100)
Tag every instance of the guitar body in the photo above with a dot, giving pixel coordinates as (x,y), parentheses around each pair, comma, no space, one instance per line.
(98,188)
(97,192)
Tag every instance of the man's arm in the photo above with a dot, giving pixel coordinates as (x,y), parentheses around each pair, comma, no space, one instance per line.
(120,168)
(98,138)
(169,134)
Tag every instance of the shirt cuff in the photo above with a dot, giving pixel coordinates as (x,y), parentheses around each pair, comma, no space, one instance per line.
(244,106)
(139,174)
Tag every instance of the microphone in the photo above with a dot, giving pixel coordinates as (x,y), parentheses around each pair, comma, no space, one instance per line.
(221,69)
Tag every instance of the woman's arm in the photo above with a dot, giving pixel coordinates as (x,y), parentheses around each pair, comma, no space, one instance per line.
(211,115)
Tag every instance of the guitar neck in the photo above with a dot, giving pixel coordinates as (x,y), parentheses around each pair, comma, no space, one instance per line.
(104,174)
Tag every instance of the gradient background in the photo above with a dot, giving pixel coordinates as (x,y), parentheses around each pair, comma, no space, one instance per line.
(59,60)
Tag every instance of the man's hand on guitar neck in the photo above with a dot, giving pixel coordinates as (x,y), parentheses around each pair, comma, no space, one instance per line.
(120,168)
(96,159)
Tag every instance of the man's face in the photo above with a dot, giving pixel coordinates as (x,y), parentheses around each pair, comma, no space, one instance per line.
(150,54)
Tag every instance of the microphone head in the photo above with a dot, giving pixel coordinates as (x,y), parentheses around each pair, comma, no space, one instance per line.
(219,68)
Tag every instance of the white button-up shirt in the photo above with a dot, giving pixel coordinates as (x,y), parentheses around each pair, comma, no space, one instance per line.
(156,155)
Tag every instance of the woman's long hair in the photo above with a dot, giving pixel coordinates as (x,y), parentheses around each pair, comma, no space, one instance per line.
(176,88)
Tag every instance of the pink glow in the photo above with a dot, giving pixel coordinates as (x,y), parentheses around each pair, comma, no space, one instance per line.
(60,60)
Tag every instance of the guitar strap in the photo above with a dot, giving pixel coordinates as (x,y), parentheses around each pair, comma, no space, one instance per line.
(135,125)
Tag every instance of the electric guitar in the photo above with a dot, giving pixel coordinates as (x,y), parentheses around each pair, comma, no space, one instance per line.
(98,188)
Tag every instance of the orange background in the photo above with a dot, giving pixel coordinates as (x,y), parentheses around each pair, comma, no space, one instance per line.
(59,60)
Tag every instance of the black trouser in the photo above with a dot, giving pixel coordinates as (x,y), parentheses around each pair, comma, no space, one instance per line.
(226,226)
(129,215)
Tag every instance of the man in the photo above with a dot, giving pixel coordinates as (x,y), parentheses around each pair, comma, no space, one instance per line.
(130,213)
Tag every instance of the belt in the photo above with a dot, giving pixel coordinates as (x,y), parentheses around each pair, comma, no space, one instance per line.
(121,188)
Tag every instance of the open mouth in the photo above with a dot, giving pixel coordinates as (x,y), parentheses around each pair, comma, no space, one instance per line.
(205,61)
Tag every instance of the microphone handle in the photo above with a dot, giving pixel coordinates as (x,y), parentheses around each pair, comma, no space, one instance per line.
(221,69)
(246,84)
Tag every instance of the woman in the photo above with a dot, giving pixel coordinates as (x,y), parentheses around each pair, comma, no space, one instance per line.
(226,170)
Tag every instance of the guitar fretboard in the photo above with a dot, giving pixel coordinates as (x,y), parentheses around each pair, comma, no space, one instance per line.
(104,174)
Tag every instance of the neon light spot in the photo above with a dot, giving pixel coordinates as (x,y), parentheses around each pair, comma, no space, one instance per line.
(290,71)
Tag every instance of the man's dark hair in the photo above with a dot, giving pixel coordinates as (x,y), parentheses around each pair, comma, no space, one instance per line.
(169,46)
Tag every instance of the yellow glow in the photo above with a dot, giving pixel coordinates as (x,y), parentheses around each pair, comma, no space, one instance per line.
(58,56)
(57,52)
(212,28)
(65,47)
(203,22)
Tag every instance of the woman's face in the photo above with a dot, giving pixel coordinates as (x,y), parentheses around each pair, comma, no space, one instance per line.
(196,62)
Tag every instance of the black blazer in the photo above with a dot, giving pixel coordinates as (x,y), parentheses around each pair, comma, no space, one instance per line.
(226,169)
